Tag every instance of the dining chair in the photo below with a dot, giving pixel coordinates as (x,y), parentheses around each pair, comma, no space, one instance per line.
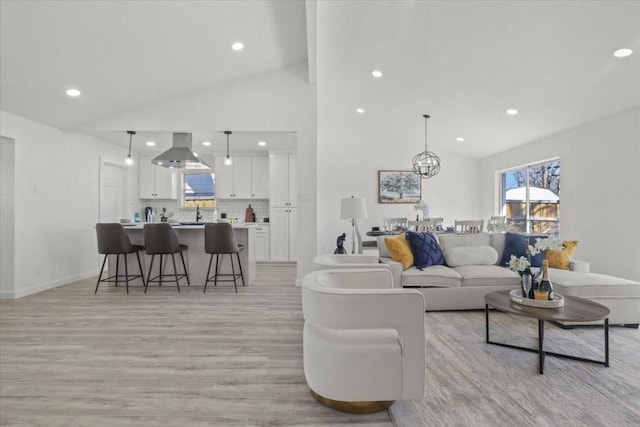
(427,225)
(497,224)
(469,226)
(391,224)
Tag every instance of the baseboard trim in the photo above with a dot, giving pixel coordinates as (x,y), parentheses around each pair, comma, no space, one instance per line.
(46,286)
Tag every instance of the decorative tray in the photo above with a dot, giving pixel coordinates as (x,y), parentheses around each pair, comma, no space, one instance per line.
(516,296)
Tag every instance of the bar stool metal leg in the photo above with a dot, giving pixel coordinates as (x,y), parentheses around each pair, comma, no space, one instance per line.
(240,265)
(184,266)
(233,272)
(117,268)
(149,275)
(126,273)
(100,276)
(175,272)
(215,279)
(206,279)
(140,265)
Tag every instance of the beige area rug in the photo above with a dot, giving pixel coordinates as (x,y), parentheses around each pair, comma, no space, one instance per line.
(471,383)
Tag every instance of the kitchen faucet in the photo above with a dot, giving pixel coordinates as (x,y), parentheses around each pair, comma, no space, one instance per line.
(198,216)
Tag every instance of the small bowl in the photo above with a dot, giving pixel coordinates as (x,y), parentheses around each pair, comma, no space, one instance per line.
(125,220)
(375,228)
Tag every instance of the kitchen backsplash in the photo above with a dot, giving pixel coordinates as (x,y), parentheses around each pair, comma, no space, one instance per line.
(233,209)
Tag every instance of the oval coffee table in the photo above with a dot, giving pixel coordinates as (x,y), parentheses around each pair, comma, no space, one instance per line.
(575,310)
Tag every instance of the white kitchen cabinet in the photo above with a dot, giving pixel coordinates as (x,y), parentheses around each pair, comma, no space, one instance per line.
(282,180)
(155,182)
(237,181)
(283,226)
(262,242)
(260,177)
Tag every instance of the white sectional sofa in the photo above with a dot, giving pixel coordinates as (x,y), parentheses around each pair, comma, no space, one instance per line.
(464,286)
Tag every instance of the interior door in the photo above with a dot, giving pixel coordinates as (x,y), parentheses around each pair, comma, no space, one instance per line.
(111,192)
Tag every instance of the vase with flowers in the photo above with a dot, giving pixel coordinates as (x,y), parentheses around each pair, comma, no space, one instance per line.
(522,265)
(423,207)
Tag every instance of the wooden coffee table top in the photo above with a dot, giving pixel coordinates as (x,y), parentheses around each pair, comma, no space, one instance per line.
(575,309)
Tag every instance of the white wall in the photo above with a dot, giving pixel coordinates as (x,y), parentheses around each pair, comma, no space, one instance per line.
(56,203)
(352,148)
(279,101)
(599,191)
(7,215)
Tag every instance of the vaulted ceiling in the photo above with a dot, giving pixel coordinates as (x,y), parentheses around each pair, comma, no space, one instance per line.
(465,63)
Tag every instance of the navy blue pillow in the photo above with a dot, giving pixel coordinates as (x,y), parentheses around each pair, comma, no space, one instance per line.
(425,248)
(516,244)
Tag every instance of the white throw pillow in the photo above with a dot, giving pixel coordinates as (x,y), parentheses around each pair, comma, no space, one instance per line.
(470,255)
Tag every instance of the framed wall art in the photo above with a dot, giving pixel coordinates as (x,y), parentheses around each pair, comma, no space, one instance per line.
(398,186)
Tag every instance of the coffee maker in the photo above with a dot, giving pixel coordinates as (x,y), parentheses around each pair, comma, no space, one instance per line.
(147,211)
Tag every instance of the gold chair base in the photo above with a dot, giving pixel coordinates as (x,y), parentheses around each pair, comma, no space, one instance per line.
(353,407)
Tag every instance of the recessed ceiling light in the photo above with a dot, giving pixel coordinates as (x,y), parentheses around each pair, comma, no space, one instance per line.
(195,154)
(360,110)
(376,73)
(237,46)
(151,143)
(262,143)
(73,92)
(512,111)
(206,143)
(622,53)
(160,163)
(460,139)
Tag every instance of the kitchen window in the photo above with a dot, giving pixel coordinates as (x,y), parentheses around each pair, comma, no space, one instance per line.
(530,197)
(199,189)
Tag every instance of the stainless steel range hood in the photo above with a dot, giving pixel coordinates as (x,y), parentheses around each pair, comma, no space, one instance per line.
(180,156)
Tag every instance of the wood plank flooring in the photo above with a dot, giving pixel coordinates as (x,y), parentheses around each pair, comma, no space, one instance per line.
(72,358)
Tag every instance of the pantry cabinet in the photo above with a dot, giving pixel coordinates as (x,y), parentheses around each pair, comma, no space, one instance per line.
(282,180)
(283,225)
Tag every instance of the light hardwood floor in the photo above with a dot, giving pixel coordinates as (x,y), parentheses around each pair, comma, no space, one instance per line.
(69,357)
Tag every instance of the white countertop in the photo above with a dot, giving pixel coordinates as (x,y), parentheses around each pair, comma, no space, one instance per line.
(189,226)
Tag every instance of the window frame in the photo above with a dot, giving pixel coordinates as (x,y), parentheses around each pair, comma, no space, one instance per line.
(501,192)
(182,189)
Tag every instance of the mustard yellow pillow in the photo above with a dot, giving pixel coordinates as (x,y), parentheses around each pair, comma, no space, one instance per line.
(400,250)
(561,259)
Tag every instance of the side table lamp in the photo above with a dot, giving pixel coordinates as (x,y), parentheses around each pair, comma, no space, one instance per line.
(353,208)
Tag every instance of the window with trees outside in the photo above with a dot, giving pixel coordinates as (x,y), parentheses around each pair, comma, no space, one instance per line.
(530,198)
(199,190)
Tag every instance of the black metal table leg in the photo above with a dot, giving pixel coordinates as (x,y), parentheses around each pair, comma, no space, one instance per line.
(541,346)
(486,316)
(606,342)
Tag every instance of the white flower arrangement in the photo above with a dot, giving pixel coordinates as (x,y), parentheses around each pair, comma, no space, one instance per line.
(423,207)
(522,264)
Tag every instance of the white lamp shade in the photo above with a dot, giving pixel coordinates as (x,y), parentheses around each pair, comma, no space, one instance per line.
(353,207)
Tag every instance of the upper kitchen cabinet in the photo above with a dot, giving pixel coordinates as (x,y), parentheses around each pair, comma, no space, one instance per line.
(155,182)
(282,180)
(246,178)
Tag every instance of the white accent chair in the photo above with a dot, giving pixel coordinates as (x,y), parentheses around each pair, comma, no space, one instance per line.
(364,341)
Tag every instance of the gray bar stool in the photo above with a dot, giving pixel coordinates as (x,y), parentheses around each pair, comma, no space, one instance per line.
(220,239)
(160,239)
(112,240)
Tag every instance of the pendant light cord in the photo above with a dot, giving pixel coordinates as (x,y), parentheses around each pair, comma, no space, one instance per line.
(426,117)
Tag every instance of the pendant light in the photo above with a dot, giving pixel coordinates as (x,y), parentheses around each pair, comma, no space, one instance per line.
(227,160)
(129,160)
(426,164)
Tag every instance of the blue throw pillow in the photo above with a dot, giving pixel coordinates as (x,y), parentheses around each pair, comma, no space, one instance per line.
(516,244)
(425,248)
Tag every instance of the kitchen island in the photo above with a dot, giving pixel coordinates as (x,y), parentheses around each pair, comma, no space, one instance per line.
(195,257)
